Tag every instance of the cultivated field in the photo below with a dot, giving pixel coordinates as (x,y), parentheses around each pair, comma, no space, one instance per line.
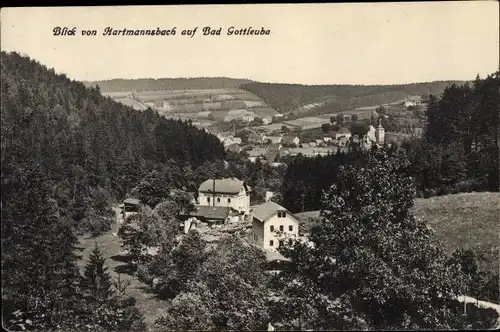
(195,104)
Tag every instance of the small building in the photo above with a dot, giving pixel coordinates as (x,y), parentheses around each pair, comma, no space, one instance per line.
(267,120)
(256,153)
(131,206)
(290,140)
(211,215)
(272,139)
(418,132)
(271,225)
(413,101)
(255,138)
(228,192)
(327,139)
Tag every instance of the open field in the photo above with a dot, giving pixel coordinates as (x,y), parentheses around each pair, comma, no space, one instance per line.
(194,101)
(110,245)
(466,220)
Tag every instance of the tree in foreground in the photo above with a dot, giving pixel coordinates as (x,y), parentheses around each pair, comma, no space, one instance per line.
(228,292)
(105,305)
(369,263)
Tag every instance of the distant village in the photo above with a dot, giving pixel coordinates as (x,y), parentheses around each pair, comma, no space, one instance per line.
(272,149)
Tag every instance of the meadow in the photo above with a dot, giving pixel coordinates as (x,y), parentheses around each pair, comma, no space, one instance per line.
(465,220)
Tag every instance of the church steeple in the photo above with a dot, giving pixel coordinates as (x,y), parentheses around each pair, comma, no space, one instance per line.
(380,132)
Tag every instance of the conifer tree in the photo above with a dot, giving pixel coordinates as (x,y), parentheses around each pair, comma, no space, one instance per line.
(96,278)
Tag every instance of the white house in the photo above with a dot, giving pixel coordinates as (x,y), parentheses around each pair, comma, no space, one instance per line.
(272,224)
(272,139)
(229,192)
(370,134)
(267,120)
(413,101)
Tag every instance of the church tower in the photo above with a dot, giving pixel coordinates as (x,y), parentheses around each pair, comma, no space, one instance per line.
(380,133)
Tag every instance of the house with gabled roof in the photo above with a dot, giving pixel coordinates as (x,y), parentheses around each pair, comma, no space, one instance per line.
(227,192)
(290,140)
(272,224)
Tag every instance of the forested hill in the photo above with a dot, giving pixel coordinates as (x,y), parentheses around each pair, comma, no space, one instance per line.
(82,141)
(151,84)
(287,97)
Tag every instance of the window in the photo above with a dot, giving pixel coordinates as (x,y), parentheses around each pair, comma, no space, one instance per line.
(208,199)
(290,228)
(281,243)
(290,242)
(271,228)
(281,228)
(229,200)
(218,199)
(281,214)
(271,243)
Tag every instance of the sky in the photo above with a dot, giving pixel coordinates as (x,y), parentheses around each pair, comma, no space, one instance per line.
(366,43)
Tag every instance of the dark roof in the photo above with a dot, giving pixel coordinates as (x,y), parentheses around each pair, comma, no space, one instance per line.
(263,211)
(213,212)
(227,186)
(132,201)
(288,139)
(272,152)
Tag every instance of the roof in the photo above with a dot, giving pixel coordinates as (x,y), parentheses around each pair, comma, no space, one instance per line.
(272,152)
(264,211)
(255,136)
(132,201)
(257,152)
(272,137)
(211,212)
(288,139)
(227,185)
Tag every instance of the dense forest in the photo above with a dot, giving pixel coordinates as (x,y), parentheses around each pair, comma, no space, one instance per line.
(152,84)
(289,97)
(67,154)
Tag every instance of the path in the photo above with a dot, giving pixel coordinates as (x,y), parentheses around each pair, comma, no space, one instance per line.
(483,304)
(110,244)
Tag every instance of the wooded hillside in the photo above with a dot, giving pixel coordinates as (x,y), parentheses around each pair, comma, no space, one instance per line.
(151,84)
(287,97)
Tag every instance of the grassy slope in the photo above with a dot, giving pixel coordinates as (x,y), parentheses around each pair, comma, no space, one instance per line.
(110,244)
(467,220)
